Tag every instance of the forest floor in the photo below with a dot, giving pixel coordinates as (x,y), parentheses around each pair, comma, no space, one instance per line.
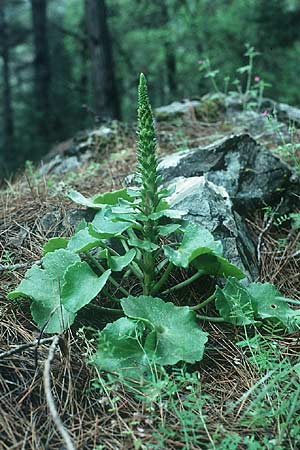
(245,393)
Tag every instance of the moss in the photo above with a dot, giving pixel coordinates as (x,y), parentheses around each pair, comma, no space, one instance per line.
(210,109)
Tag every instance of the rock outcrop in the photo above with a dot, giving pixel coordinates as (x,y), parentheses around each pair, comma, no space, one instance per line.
(253,176)
(210,206)
(218,185)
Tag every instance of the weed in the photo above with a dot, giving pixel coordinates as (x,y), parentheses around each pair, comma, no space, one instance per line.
(249,92)
(127,263)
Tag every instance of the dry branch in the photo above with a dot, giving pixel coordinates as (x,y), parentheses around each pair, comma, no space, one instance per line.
(49,398)
(22,347)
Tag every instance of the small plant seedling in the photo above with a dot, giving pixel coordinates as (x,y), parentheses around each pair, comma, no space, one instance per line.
(250,93)
(123,246)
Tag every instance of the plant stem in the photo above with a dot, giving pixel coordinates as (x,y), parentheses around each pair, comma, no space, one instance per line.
(163,279)
(204,303)
(185,282)
(112,311)
(210,319)
(148,272)
(102,269)
(133,265)
(288,300)
(248,85)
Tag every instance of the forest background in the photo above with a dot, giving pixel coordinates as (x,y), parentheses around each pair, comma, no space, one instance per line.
(67,65)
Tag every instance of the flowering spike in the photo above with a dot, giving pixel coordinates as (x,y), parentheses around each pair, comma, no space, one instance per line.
(146,150)
(147,177)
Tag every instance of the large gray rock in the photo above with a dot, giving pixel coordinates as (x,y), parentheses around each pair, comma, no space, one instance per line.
(210,206)
(252,176)
(70,155)
(219,184)
(180,109)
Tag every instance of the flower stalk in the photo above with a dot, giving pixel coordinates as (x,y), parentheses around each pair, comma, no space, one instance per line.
(148,178)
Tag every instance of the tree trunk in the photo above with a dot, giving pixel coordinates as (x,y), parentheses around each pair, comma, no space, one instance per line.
(170,57)
(171,68)
(42,73)
(106,98)
(8,121)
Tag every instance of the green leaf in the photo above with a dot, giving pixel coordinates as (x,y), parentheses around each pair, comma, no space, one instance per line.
(142,244)
(40,284)
(54,244)
(55,316)
(99,200)
(43,286)
(170,213)
(125,214)
(120,349)
(118,263)
(81,225)
(165,230)
(81,286)
(212,73)
(83,241)
(269,303)
(234,303)
(59,290)
(56,263)
(178,336)
(167,192)
(134,192)
(217,266)
(104,228)
(112,198)
(196,241)
(82,200)
(244,69)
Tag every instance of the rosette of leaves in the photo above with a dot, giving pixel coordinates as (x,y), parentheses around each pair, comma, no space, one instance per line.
(126,241)
(140,217)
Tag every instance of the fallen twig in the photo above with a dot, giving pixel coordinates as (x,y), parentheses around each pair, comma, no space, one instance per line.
(293,255)
(4,267)
(22,347)
(263,231)
(49,398)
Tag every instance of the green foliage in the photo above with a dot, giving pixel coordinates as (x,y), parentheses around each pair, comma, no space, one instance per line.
(59,290)
(249,91)
(175,334)
(54,244)
(155,333)
(125,236)
(100,200)
(234,304)
(244,305)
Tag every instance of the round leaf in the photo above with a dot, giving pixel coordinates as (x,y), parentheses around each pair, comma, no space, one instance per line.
(54,244)
(178,336)
(83,241)
(269,304)
(234,303)
(120,349)
(81,285)
(196,241)
(217,266)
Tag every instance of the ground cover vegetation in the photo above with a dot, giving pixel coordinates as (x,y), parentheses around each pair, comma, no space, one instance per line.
(243,394)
